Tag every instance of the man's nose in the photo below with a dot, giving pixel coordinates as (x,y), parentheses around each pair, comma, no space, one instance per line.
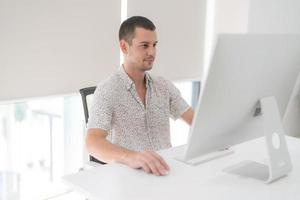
(152,51)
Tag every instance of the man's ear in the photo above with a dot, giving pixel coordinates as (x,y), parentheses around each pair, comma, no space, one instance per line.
(124,46)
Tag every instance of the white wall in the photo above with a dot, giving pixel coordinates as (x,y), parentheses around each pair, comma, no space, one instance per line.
(56,46)
(274,16)
(257,16)
(231,16)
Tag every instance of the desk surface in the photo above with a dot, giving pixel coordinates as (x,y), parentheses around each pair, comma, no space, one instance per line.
(205,181)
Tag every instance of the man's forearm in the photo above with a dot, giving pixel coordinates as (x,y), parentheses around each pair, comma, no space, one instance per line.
(105,151)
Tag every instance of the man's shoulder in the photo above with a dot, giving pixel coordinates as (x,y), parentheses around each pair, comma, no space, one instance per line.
(109,87)
(111,82)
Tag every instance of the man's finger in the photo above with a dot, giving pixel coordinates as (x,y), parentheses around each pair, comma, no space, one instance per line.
(155,164)
(146,168)
(161,160)
(155,170)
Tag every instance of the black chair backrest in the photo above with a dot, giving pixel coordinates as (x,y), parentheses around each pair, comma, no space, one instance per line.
(85,92)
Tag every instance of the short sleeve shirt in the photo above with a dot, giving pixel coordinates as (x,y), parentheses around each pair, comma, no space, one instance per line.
(118,109)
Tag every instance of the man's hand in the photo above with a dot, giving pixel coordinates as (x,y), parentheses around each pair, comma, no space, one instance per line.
(149,161)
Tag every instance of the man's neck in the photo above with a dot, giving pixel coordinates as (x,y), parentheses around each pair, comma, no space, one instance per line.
(137,76)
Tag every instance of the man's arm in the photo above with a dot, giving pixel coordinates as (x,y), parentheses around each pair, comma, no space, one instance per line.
(102,149)
(187,116)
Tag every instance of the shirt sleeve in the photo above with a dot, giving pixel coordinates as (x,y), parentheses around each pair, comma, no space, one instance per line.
(177,104)
(100,113)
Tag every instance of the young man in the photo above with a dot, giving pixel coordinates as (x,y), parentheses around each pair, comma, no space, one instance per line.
(129,118)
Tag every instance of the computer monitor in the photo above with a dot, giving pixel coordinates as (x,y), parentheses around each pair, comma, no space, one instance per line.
(246,70)
(291,117)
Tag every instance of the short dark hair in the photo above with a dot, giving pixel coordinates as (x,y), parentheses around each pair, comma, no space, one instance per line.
(127,28)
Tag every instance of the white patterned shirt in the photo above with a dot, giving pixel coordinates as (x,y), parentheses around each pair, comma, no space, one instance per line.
(118,109)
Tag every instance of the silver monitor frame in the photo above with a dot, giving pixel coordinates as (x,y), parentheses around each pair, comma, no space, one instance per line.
(247,90)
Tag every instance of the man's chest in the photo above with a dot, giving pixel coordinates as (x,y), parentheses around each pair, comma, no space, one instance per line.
(130,107)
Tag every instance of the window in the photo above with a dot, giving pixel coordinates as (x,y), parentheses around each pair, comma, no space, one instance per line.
(179,129)
(40,141)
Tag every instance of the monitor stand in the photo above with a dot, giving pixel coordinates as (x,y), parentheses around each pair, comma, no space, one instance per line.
(206,157)
(279,162)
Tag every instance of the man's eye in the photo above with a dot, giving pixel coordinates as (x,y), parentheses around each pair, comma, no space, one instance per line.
(145,46)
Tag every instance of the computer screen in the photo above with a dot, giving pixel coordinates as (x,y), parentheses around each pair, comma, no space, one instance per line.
(244,69)
(291,117)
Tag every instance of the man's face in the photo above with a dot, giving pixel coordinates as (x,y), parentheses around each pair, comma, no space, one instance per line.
(141,53)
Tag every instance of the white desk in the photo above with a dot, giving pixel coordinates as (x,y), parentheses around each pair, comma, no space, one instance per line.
(206,181)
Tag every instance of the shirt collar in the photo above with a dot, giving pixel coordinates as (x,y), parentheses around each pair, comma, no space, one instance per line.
(128,82)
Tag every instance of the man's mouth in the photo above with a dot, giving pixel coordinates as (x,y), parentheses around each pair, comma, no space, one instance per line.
(150,60)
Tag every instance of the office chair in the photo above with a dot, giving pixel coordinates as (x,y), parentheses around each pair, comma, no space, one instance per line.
(86,95)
